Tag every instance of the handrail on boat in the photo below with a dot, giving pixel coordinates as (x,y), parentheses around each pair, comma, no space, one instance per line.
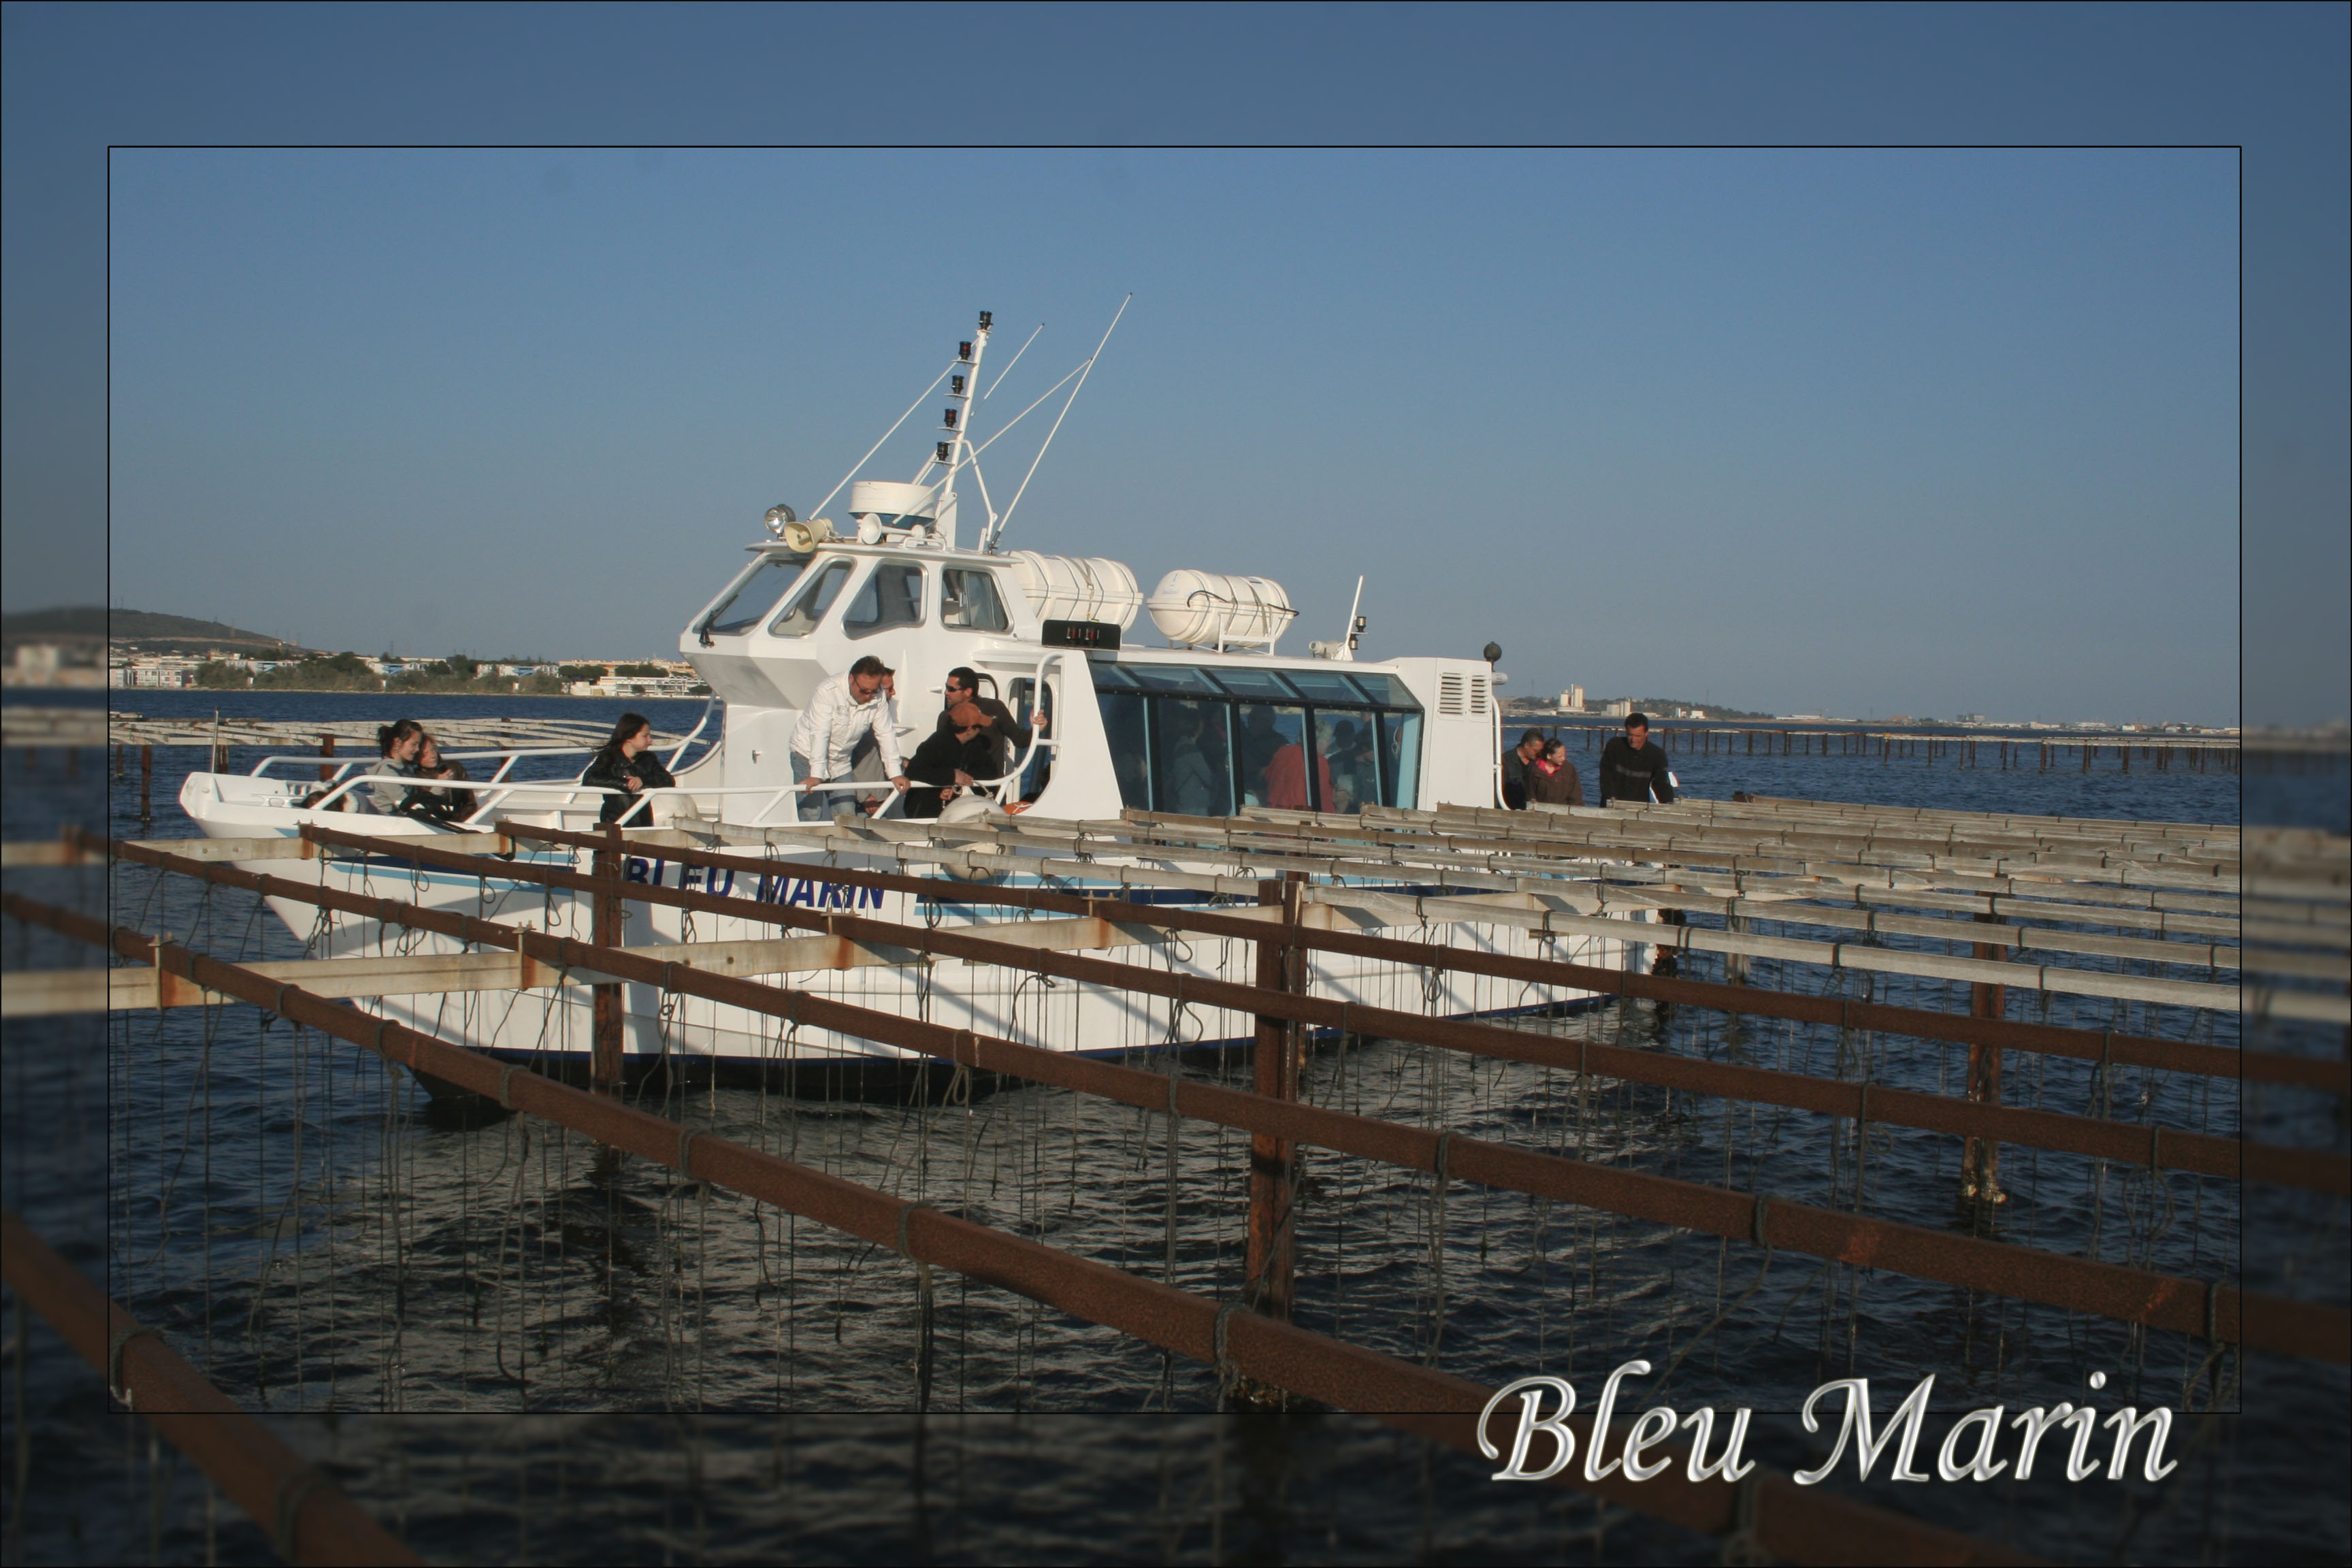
(1036,737)
(261,768)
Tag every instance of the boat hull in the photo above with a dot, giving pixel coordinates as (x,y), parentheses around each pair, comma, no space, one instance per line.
(552,1027)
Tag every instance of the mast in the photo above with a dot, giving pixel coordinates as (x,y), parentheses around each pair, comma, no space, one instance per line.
(952,454)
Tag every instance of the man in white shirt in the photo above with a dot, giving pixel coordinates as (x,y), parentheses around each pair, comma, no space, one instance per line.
(845,710)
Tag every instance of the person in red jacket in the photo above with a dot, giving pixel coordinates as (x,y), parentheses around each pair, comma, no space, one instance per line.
(1286,779)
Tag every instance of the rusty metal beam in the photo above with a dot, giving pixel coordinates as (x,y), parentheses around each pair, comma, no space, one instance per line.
(2203,1154)
(310,1518)
(2217,1311)
(2083,1045)
(1786,1520)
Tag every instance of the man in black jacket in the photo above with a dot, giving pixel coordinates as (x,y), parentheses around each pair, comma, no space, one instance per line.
(962,686)
(1517,764)
(1632,769)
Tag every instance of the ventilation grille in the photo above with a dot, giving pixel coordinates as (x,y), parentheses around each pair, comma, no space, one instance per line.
(1449,696)
(1477,694)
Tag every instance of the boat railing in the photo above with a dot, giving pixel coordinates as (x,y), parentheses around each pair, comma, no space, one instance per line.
(1037,736)
(506,756)
(343,768)
(573,792)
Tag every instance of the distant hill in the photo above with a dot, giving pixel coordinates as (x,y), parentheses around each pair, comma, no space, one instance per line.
(147,628)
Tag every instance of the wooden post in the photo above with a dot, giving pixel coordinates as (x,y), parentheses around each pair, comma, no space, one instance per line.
(121,759)
(1269,1277)
(605,1050)
(146,778)
(1981,1160)
(325,749)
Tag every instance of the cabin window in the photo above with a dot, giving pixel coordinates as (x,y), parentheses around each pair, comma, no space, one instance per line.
(891,595)
(1323,685)
(1385,690)
(1256,683)
(755,593)
(1130,753)
(969,600)
(1203,741)
(1174,677)
(1348,764)
(1191,757)
(1273,746)
(1400,758)
(807,607)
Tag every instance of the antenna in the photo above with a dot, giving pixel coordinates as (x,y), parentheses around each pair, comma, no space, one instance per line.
(1015,360)
(1344,649)
(819,508)
(998,525)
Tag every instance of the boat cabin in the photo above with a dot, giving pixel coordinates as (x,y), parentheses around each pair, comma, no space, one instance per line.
(1197,729)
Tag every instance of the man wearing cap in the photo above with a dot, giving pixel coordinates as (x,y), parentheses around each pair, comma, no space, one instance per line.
(847,709)
(1632,769)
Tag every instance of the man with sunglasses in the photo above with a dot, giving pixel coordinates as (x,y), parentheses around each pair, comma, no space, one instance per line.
(962,686)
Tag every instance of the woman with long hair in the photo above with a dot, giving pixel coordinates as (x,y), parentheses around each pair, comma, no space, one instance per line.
(437,805)
(626,763)
(397,744)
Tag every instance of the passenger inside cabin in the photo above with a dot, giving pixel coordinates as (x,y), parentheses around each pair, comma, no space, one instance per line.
(1123,721)
(1285,780)
(1260,742)
(951,760)
(1194,767)
(626,763)
(398,743)
(1347,745)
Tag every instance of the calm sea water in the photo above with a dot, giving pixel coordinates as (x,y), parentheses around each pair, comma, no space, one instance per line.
(648,1368)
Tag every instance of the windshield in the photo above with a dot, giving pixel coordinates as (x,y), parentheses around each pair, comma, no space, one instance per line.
(754,592)
(808,606)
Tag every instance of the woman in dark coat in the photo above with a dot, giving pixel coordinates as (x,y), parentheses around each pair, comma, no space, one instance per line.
(626,762)
(437,805)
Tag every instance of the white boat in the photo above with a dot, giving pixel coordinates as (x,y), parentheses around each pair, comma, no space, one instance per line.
(1214,722)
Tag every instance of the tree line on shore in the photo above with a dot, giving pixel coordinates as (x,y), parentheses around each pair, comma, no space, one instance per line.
(458,673)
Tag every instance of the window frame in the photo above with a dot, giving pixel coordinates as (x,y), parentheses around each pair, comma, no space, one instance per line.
(1134,682)
(807,588)
(1003,606)
(707,623)
(872,579)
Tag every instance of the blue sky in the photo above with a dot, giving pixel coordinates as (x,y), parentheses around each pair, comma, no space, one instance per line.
(1847,431)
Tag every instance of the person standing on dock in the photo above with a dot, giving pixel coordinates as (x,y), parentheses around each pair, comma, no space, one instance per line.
(846,710)
(1632,769)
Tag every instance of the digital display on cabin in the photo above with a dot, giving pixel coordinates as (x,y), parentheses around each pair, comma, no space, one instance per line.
(1097,635)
